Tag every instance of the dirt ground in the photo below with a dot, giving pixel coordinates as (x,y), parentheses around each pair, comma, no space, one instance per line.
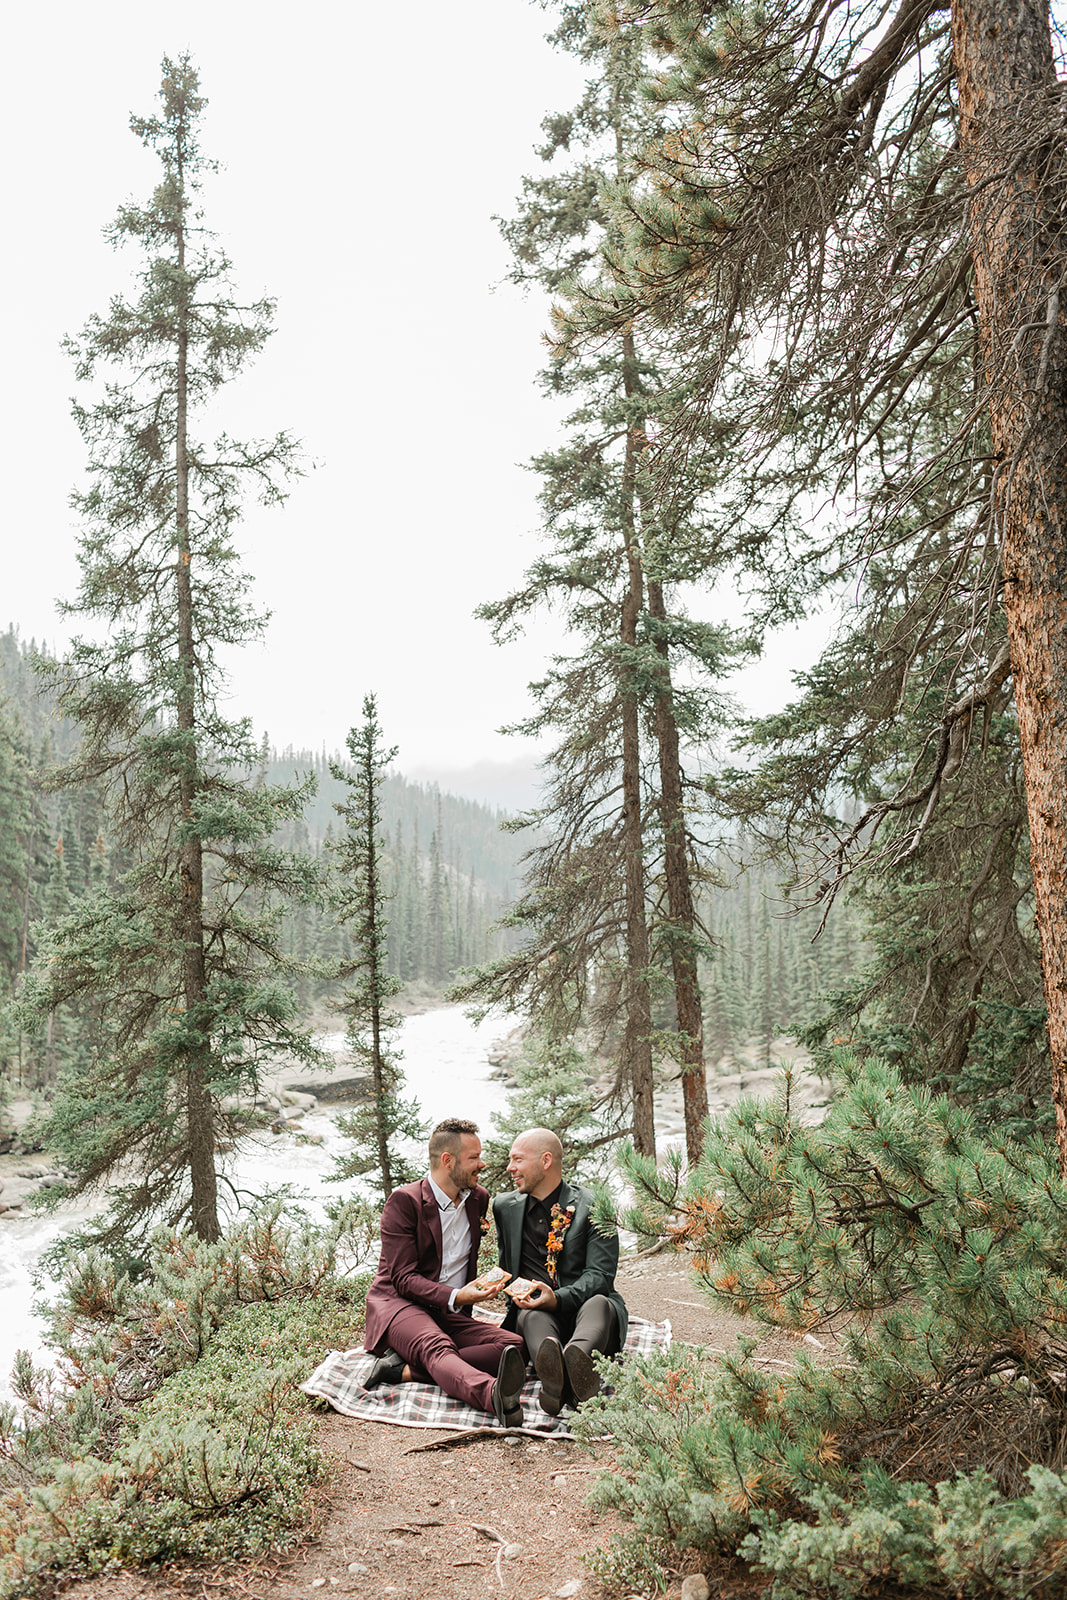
(482,1518)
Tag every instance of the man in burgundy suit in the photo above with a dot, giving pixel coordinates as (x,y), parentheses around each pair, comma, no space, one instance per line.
(418,1307)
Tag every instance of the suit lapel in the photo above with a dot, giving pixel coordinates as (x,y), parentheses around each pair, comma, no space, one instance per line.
(474,1217)
(513,1215)
(432,1214)
(567,1197)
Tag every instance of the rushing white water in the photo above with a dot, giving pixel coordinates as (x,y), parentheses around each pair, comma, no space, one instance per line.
(445,1069)
(445,1065)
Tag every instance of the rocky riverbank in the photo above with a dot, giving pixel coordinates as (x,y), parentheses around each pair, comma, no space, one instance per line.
(24,1170)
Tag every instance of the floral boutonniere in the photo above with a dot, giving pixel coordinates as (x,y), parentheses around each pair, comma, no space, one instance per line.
(485,1224)
(561,1221)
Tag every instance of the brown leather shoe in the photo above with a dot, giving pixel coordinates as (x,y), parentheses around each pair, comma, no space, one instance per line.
(583,1375)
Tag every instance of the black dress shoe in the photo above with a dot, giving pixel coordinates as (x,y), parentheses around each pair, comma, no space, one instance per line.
(507,1390)
(388,1368)
(584,1377)
(553,1375)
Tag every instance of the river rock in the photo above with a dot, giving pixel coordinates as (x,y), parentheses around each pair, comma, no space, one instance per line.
(293,1097)
(695,1587)
(342,1091)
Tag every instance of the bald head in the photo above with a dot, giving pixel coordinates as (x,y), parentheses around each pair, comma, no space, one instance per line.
(536,1162)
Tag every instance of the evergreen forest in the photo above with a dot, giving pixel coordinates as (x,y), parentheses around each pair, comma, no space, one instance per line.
(808,348)
(452,872)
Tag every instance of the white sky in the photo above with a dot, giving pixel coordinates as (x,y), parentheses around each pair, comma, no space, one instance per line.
(366,149)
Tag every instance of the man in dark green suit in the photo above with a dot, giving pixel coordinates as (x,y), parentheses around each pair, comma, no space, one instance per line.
(545,1233)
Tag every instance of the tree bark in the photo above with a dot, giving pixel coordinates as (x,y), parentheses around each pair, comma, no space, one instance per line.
(637,1037)
(200,1113)
(1013,152)
(375,974)
(680,906)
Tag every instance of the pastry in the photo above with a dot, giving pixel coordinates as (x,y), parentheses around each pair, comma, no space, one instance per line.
(495,1278)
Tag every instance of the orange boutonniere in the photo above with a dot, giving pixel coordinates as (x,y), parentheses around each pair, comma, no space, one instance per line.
(485,1224)
(561,1221)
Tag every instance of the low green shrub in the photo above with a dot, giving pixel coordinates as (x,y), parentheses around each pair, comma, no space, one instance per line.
(962,1538)
(175,1428)
(939,1255)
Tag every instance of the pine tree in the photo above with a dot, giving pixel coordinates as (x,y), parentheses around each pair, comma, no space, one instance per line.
(179,954)
(935,1256)
(437,914)
(359,900)
(914,385)
(16,809)
(609,905)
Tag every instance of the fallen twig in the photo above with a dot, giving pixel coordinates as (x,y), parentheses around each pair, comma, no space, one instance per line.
(488,1533)
(643,1255)
(465,1437)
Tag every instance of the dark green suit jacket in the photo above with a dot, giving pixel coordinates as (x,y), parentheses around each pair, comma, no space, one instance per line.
(585,1266)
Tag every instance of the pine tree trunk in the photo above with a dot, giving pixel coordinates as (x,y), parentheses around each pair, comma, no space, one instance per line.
(31,845)
(680,903)
(199,1108)
(374,977)
(637,1038)
(1016,168)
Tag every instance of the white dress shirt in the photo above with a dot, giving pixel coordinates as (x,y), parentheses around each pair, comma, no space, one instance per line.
(455,1240)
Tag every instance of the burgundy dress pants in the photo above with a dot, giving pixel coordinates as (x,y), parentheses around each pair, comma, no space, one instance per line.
(460,1354)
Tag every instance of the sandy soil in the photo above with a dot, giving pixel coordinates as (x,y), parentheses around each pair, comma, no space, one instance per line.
(482,1518)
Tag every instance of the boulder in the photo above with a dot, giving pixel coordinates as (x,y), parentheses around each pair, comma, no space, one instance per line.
(295,1097)
(342,1091)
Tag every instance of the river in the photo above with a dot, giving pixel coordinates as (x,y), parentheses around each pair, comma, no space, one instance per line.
(446,1070)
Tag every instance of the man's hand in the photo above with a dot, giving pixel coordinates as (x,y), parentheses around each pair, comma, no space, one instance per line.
(539,1298)
(472,1295)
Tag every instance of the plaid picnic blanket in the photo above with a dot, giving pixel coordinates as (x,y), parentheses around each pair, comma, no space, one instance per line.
(423,1405)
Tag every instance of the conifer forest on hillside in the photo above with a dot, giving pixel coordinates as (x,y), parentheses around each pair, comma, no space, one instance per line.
(808,347)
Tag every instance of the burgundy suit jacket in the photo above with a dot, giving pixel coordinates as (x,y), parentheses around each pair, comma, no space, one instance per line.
(410,1263)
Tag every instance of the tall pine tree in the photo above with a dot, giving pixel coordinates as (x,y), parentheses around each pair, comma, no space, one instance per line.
(180,954)
(609,907)
(360,899)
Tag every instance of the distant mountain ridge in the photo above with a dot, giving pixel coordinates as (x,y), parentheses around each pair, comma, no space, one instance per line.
(469,834)
(470,838)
